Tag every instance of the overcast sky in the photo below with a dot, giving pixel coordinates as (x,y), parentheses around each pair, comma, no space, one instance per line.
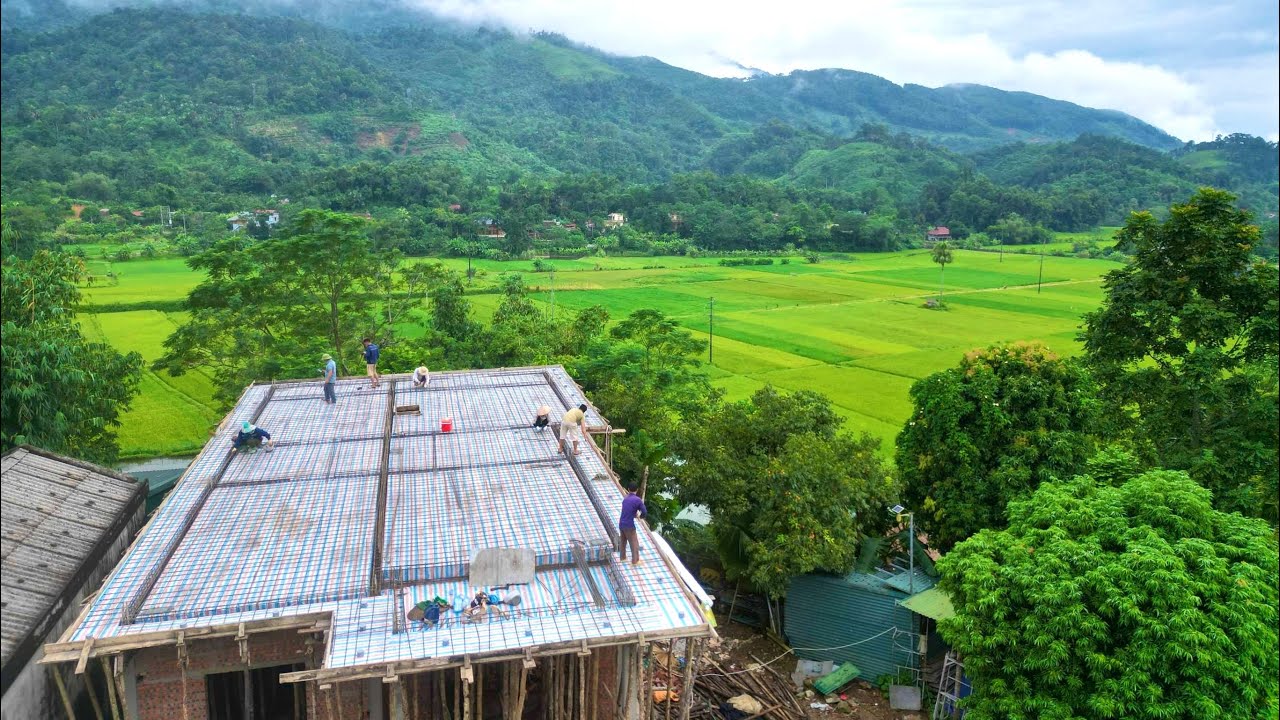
(1193,69)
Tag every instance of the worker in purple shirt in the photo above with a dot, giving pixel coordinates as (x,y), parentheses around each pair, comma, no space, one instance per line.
(632,507)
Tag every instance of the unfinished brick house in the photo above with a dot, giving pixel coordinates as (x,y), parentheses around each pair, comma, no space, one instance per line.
(278,584)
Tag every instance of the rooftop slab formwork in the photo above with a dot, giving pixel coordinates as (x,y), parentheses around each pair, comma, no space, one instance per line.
(362,510)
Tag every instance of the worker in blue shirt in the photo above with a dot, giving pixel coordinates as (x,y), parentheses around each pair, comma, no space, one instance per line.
(250,436)
(371,362)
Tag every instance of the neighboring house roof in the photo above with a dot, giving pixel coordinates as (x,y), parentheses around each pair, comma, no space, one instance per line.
(857,617)
(60,517)
(932,603)
(940,230)
(357,500)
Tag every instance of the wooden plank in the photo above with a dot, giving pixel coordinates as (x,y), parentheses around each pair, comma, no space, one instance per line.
(70,651)
(83,661)
(408,667)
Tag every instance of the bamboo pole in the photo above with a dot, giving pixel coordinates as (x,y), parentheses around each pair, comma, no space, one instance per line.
(93,695)
(117,663)
(480,690)
(693,650)
(646,702)
(457,698)
(111,688)
(466,700)
(593,698)
(333,712)
(403,696)
(522,692)
(62,691)
(582,686)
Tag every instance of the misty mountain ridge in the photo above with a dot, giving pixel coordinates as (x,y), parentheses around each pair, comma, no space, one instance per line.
(158,104)
(961,117)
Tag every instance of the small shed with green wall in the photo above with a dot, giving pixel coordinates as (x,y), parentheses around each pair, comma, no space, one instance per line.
(857,618)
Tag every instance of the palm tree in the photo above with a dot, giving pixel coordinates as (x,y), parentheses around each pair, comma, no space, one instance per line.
(942,255)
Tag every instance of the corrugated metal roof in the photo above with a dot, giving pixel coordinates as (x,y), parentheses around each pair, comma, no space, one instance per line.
(853,618)
(932,603)
(908,582)
(60,516)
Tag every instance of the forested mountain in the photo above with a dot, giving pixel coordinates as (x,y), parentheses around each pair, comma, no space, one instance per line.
(216,111)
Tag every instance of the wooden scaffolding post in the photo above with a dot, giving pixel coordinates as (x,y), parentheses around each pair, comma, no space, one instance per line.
(593,697)
(522,685)
(117,662)
(467,678)
(93,695)
(646,701)
(62,692)
(692,653)
(111,687)
(333,713)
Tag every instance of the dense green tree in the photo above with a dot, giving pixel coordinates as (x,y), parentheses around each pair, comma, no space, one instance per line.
(1131,601)
(268,309)
(646,375)
(1185,345)
(785,488)
(60,392)
(21,229)
(989,431)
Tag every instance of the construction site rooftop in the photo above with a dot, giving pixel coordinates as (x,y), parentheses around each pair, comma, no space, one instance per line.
(364,508)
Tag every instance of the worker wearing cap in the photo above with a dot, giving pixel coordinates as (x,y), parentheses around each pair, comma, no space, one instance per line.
(250,436)
(330,379)
(543,418)
(571,427)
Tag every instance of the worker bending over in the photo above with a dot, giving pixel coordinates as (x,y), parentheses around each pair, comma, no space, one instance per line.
(571,428)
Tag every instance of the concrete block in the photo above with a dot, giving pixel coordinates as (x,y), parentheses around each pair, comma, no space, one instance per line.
(502,566)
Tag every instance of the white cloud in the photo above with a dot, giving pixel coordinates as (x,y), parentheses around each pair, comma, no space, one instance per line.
(1013,46)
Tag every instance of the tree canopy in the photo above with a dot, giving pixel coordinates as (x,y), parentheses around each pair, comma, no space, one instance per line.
(1131,601)
(989,431)
(788,493)
(60,391)
(269,308)
(1185,345)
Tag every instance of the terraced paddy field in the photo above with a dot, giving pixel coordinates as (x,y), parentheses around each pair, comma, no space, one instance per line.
(854,328)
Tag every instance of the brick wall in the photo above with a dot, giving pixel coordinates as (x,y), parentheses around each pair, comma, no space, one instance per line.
(160,684)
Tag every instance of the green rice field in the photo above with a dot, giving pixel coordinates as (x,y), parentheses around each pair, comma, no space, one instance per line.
(853,328)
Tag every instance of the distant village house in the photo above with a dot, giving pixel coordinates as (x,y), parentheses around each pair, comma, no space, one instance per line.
(615,220)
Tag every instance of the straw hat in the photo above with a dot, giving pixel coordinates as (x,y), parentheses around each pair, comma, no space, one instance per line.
(326,356)
(544,409)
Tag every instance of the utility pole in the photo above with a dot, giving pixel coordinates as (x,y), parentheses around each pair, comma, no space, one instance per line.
(1040,279)
(711,330)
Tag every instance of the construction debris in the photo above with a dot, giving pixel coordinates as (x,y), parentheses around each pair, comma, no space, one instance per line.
(754,692)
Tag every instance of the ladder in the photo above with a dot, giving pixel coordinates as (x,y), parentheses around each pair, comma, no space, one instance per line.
(949,685)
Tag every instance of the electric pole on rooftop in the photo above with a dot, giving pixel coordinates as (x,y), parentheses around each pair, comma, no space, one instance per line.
(711,330)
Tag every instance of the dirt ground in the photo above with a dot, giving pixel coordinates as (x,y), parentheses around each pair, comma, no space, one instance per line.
(741,646)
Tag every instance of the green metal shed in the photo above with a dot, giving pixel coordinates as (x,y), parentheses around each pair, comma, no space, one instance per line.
(856,618)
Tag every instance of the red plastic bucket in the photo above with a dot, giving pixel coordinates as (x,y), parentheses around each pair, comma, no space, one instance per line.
(446,425)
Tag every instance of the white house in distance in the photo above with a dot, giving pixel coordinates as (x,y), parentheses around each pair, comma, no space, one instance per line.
(615,220)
